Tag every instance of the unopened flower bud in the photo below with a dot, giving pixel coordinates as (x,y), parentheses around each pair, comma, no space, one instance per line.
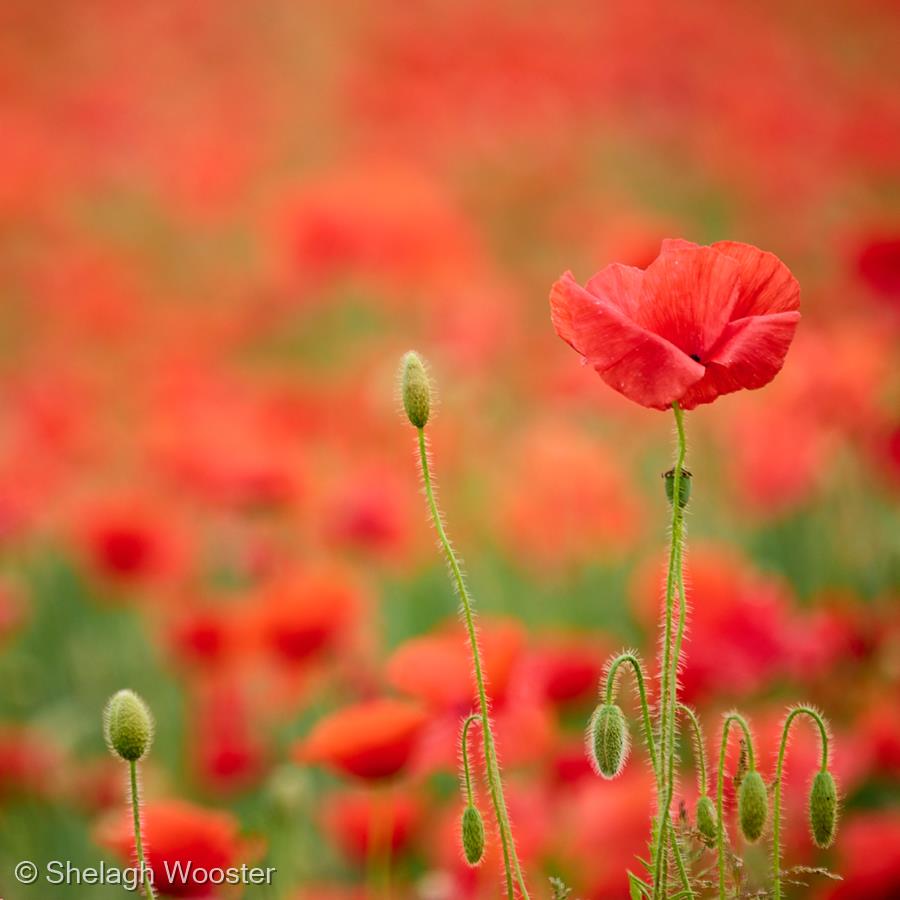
(472,835)
(753,806)
(706,819)
(128,726)
(823,809)
(416,389)
(608,740)
(684,486)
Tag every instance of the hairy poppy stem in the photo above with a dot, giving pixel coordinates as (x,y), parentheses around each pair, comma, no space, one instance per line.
(669,693)
(467,770)
(779,772)
(146,878)
(699,749)
(731,719)
(492,768)
(611,675)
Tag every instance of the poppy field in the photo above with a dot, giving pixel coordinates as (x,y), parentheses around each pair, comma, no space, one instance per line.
(450,451)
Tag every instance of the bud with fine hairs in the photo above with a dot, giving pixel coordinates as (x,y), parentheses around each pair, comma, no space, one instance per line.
(823,809)
(753,806)
(415,388)
(472,835)
(608,740)
(706,819)
(128,726)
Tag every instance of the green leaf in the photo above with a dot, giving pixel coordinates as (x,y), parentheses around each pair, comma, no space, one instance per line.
(639,889)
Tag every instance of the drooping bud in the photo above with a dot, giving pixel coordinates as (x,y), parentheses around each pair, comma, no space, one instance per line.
(472,835)
(684,486)
(706,819)
(608,740)
(128,726)
(823,809)
(416,389)
(753,806)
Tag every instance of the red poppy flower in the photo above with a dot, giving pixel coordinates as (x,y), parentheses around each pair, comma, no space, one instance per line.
(371,740)
(176,833)
(696,323)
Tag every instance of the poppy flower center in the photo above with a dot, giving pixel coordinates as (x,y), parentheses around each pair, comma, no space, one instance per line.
(695,357)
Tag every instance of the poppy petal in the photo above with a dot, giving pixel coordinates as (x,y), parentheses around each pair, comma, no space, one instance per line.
(767,285)
(688,296)
(669,244)
(619,285)
(749,355)
(643,366)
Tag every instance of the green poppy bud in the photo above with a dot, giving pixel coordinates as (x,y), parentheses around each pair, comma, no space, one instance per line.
(823,809)
(472,835)
(128,726)
(684,486)
(706,819)
(608,740)
(416,389)
(753,805)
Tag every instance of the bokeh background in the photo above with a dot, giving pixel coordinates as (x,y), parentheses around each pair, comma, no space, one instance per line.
(221,223)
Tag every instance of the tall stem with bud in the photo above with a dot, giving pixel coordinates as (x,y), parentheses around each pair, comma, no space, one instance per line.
(128,729)
(416,392)
(822,797)
(678,481)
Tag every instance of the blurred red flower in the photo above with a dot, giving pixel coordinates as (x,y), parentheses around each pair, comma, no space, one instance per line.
(878,265)
(568,669)
(29,762)
(437,668)
(372,740)
(868,858)
(129,540)
(562,475)
(697,323)
(739,622)
(363,821)
(177,832)
(302,613)
(225,736)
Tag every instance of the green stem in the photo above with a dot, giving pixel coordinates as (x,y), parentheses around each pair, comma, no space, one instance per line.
(138,839)
(492,768)
(611,676)
(731,718)
(470,797)
(779,772)
(699,749)
(670,673)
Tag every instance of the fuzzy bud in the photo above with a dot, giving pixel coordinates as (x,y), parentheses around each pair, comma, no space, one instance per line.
(823,809)
(684,486)
(472,835)
(128,726)
(706,819)
(608,740)
(416,389)
(753,806)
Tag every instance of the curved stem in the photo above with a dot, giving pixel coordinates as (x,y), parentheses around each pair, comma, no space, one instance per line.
(632,660)
(779,772)
(470,798)
(730,719)
(699,749)
(670,670)
(146,875)
(492,768)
